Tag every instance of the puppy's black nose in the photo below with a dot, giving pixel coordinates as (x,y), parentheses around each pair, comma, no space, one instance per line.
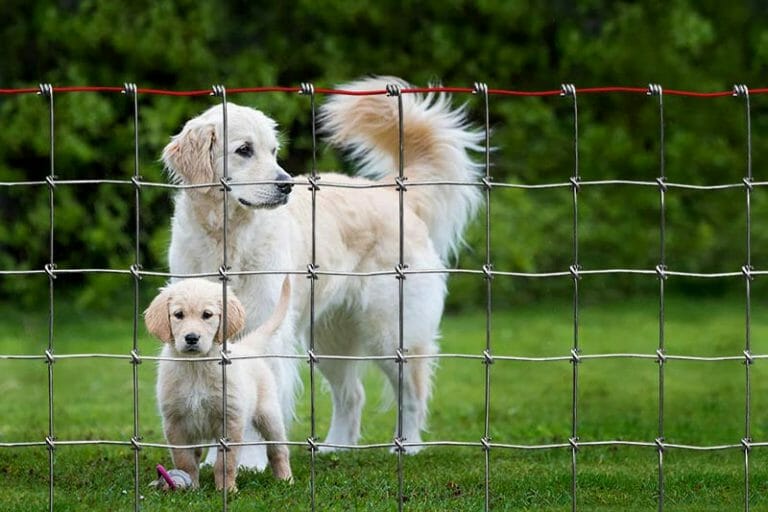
(192,338)
(285,188)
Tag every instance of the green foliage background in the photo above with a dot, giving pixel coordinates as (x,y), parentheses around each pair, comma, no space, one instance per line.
(525,45)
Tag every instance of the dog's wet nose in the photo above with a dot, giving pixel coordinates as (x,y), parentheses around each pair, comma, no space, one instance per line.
(192,338)
(286,182)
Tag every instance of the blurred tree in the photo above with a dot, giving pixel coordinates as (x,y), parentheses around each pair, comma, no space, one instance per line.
(519,45)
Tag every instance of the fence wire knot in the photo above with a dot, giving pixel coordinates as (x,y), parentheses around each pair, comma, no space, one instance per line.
(400,182)
(225,184)
(313,183)
(748,183)
(46,90)
(574,181)
(661,356)
(393,90)
(312,271)
(740,90)
(312,357)
(307,88)
(746,270)
(224,273)
(655,90)
(748,358)
(575,357)
(488,271)
(567,90)
(50,442)
(487,357)
(480,88)
(130,89)
(399,447)
(136,443)
(661,271)
(486,442)
(574,442)
(224,444)
(50,181)
(746,443)
(400,356)
(400,271)
(135,270)
(312,444)
(659,443)
(574,270)
(219,90)
(662,183)
(225,359)
(136,180)
(49,357)
(135,357)
(50,269)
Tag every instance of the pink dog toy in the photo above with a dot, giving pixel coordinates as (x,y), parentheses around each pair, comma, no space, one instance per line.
(174,479)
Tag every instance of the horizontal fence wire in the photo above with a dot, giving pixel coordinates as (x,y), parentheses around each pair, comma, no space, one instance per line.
(400,271)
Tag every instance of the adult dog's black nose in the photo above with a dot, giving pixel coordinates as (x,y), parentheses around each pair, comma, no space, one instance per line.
(285,188)
(284,182)
(192,338)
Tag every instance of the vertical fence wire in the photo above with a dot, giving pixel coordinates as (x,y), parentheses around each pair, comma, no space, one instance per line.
(131,92)
(309,90)
(482,89)
(570,90)
(743,91)
(46,90)
(224,448)
(394,90)
(657,91)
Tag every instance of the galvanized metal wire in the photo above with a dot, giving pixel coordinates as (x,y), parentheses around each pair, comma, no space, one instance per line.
(573,444)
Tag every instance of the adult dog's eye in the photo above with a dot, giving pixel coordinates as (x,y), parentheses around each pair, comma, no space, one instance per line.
(274,151)
(246,150)
(207,315)
(179,315)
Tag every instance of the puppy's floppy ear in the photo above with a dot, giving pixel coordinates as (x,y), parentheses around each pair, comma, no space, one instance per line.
(235,317)
(156,318)
(188,156)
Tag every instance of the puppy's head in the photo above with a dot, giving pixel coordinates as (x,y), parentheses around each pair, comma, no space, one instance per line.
(196,156)
(188,314)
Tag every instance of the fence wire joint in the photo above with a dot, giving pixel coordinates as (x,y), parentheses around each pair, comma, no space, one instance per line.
(654,90)
(486,442)
(307,88)
(567,90)
(740,90)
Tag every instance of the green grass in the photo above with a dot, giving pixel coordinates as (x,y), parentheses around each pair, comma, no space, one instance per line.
(530,404)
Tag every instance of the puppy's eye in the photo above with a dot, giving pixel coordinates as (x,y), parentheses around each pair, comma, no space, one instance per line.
(246,150)
(207,315)
(179,315)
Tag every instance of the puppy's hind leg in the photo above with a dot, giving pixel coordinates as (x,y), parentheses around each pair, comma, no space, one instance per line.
(348,399)
(269,421)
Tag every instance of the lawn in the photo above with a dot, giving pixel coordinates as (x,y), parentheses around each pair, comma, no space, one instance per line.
(530,404)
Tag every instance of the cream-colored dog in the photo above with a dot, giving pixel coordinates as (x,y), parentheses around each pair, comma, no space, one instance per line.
(357,230)
(187,317)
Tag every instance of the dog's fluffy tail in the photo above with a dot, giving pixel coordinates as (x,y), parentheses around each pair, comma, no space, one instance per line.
(437,142)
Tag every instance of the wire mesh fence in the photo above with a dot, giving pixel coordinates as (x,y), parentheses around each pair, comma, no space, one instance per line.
(574,183)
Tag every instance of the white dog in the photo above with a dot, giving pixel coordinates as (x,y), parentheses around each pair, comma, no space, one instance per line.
(187,317)
(357,230)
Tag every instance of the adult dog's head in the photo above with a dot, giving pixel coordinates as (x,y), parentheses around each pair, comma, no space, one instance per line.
(196,155)
(189,313)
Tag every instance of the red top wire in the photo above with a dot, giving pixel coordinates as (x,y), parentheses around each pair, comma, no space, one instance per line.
(497,92)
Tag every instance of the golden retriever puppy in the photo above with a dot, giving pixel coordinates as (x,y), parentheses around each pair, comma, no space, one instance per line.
(187,317)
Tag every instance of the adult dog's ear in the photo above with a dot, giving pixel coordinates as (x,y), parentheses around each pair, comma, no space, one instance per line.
(188,157)
(156,318)
(235,317)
